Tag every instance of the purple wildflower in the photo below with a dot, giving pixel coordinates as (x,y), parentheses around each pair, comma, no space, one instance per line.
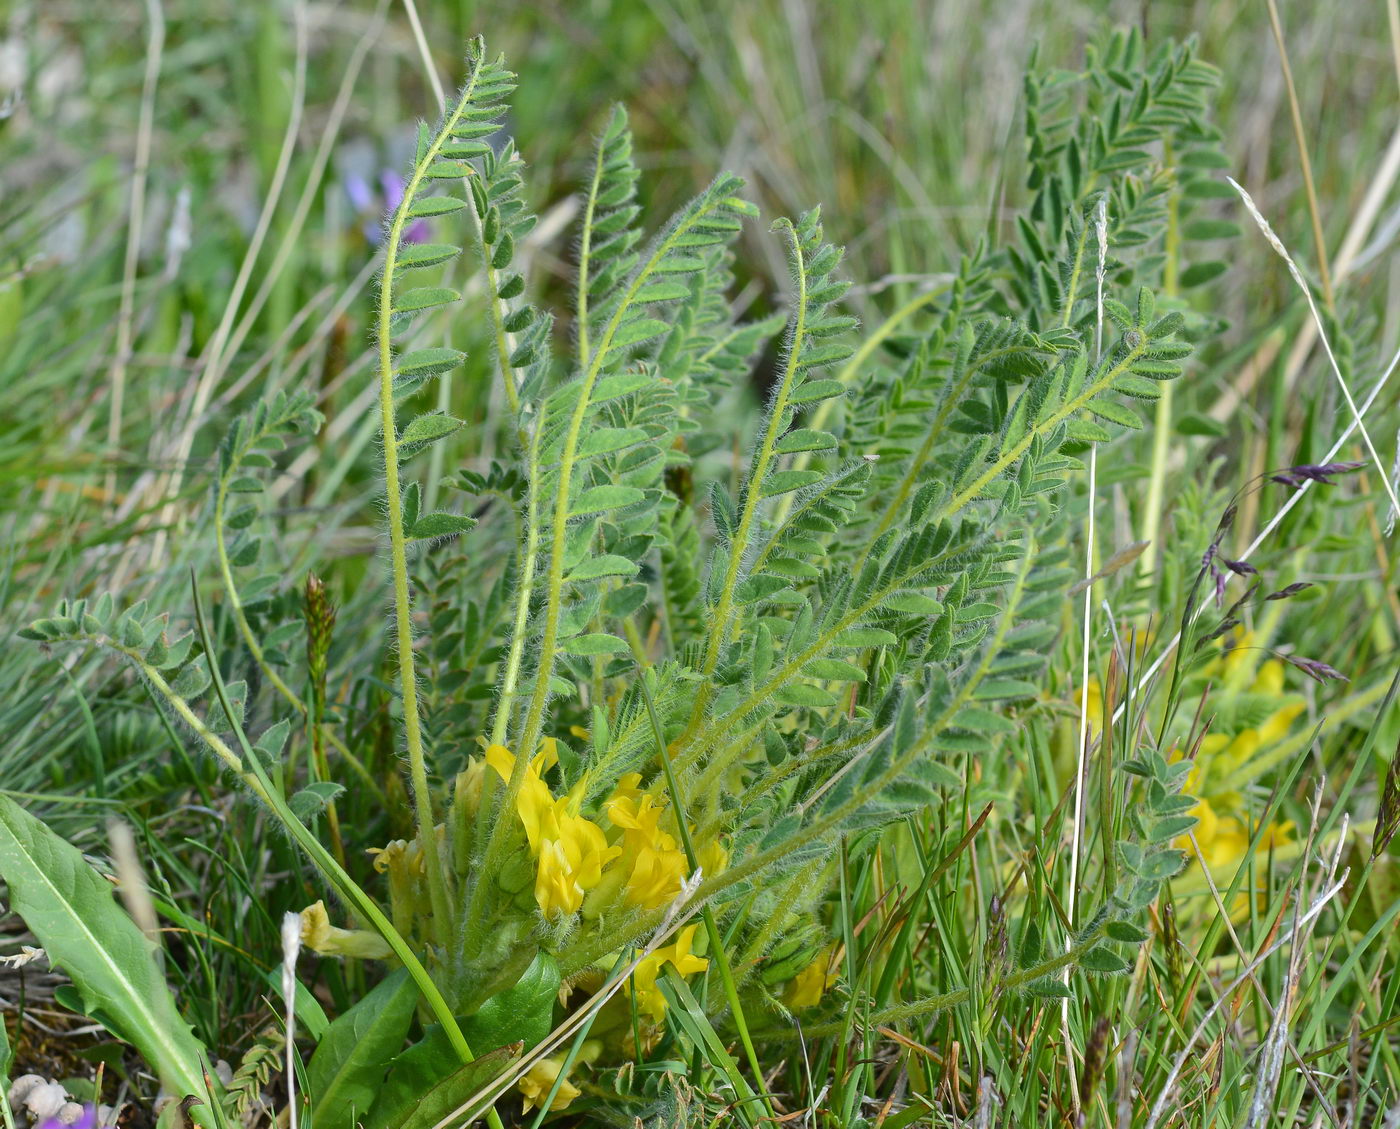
(361,195)
(366,201)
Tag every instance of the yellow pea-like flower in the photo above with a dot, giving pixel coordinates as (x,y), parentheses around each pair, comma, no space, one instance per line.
(642,985)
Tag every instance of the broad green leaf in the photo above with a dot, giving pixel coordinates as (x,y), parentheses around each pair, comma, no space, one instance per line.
(1114,412)
(427,362)
(625,600)
(813,390)
(1198,274)
(994,689)
(1126,932)
(445,170)
(913,603)
(425,254)
(70,908)
(834,670)
(348,1066)
(605,440)
(801,694)
(805,439)
(866,637)
(620,384)
(1103,959)
(783,481)
(982,721)
(523,1012)
(435,206)
(312,800)
(662,292)
(428,1082)
(636,332)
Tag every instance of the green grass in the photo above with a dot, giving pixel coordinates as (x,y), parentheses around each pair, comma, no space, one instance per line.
(906,126)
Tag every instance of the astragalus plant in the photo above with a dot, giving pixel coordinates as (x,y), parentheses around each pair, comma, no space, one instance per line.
(685,649)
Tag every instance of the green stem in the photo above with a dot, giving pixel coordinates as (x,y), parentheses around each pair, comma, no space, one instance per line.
(852,367)
(250,640)
(584,251)
(235,604)
(398,553)
(500,728)
(754,492)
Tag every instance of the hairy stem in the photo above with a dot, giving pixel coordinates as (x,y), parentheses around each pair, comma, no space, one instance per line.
(719,628)
(398,553)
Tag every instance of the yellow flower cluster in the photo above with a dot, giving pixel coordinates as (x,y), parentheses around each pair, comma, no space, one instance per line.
(573,853)
(570,850)
(658,863)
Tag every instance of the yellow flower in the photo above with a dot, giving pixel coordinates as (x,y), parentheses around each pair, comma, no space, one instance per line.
(571,864)
(808,986)
(658,870)
(466,790)
(658,864)
(713,859)
(535,802)
(642,984)
(319,935)
(536,1083)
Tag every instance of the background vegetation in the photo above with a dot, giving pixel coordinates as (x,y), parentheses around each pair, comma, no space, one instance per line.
(192,197)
